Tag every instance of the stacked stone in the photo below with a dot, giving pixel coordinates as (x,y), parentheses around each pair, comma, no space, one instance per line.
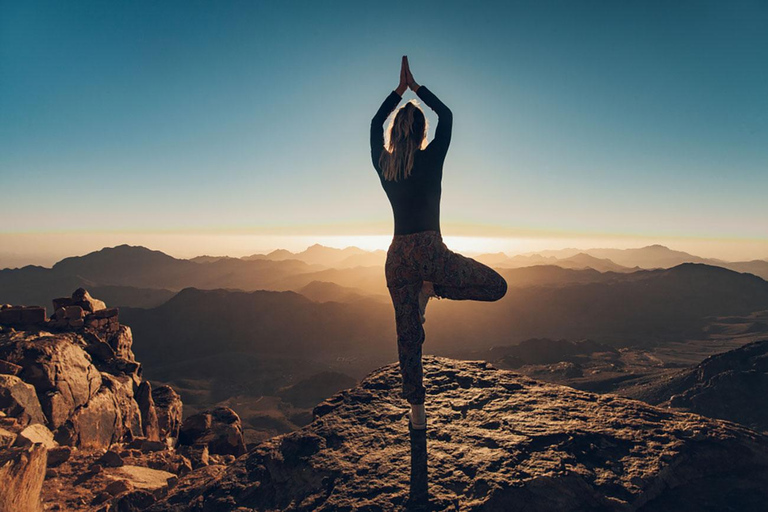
(22,315)
(81,310)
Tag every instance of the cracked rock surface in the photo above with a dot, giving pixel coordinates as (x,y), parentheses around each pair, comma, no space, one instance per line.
(496,440)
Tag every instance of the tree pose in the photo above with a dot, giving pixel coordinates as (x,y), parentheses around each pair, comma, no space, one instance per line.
(419,265)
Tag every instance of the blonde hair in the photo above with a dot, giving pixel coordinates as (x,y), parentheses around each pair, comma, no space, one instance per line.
(406,133)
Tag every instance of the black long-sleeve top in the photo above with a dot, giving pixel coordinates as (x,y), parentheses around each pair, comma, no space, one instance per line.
(416,200)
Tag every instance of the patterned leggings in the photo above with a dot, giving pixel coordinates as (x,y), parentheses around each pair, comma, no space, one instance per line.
(413,259)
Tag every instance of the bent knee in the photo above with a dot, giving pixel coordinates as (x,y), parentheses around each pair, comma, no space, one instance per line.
(500,289)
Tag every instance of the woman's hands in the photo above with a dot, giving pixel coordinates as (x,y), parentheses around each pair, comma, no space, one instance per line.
(401,88)
(406,78)
(409,77)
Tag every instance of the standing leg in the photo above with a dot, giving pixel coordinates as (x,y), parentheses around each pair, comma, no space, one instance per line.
(410,338)
(458,277)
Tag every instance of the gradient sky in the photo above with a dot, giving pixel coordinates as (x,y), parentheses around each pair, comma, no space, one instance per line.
(594,119)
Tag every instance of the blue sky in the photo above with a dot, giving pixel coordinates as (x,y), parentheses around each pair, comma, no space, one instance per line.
(645,119)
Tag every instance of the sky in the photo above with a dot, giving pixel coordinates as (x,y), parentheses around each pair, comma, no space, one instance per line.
(241,126)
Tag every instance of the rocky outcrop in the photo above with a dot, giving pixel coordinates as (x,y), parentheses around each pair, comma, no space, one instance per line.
(496,440)
(79,378)
(730,386)
(219,430)
(22,471)
(72,394)
(168,407)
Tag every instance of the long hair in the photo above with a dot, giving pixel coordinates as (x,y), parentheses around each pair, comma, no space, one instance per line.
(407,133)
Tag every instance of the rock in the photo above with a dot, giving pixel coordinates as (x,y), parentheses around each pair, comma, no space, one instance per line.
(140,477)
(496,441)
(219,429)
(74,313)
(36,434)
(82,298)
(111,459)
(169,408)
(148,414)
(60,371)
(59,455)
(8,368)
(144,445)
(95,426)
(197,455)
(122,342)
(121,387)
(23,315)
(19,399)
(119,487)
(7,438)
(22,471)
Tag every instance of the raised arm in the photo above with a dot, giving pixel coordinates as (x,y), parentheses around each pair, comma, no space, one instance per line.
(377,126)
(445,124)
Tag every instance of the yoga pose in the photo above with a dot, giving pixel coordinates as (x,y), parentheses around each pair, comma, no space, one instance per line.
(419,265)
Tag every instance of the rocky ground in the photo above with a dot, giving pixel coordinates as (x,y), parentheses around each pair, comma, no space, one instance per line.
(496,440)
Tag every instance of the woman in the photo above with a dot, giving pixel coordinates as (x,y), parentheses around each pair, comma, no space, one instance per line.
(419,265)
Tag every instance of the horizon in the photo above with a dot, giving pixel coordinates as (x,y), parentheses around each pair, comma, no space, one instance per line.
(10,260)
(166,127)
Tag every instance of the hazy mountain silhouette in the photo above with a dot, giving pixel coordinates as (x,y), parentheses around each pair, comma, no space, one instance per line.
(314,255)
(576,261)
(139,267)
(324,291)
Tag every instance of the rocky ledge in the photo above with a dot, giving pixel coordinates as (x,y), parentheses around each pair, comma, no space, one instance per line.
(496,440)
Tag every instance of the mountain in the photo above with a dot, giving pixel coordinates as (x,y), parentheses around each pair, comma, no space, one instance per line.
(756,267)
(639,308)
(202,323)
(497,441)
(576,261)
(137,267)
(314,255)
(727,386)
(324,291)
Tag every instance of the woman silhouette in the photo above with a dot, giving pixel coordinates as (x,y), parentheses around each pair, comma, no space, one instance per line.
(419,265)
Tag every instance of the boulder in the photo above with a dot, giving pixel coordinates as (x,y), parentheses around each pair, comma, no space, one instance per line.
(111,459)
(22,471)
(82,298)
(36,434)
(19,399)
(121,387)
(122,342)
(95,426)
(169,408)
(139,477)
(59,369)
(495,441)
(59,455)
(148,414)
(219,429)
